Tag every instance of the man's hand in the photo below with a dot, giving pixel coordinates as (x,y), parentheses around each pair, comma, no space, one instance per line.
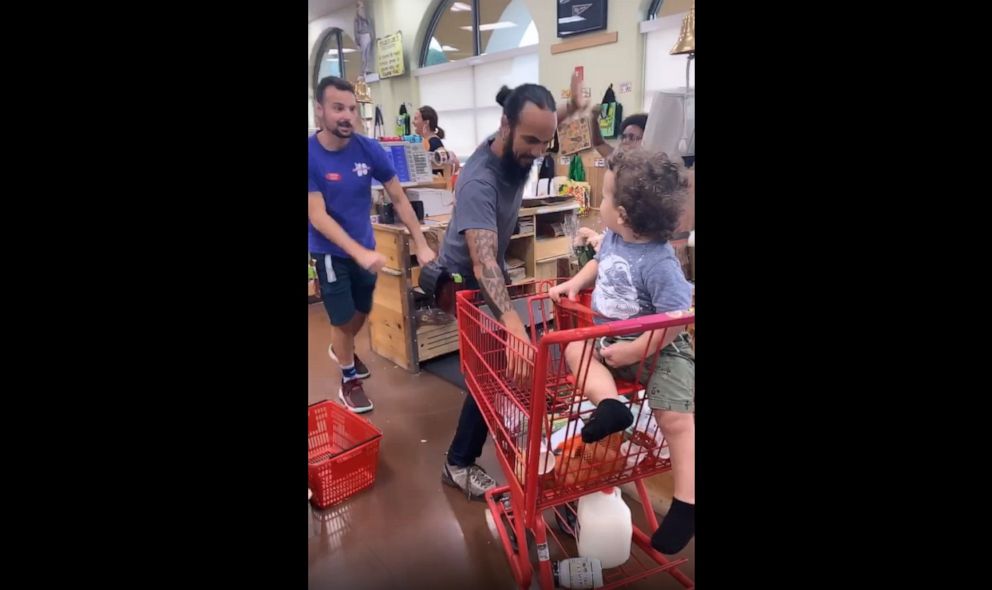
(578,102)
(519,353)
(371,261)
(424,254)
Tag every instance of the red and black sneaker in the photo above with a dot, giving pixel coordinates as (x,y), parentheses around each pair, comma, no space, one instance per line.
(354,398)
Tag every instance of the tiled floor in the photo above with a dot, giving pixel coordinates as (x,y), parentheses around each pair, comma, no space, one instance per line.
(409,531)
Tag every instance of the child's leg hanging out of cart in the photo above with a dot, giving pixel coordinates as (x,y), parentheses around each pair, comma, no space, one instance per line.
(670,390)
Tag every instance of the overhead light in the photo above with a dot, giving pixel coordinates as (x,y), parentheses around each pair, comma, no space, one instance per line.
(492,26)
(570,19)
(449,48)
(345,50)
(460,7)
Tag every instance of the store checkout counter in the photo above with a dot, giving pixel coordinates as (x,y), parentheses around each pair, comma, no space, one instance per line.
(540,250)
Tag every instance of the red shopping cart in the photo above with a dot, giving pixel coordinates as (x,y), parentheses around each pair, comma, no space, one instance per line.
(532,404)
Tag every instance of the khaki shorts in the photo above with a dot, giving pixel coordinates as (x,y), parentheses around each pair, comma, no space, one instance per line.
(672,384)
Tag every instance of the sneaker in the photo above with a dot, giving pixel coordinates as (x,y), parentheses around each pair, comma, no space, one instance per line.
(360,368)
(472,480)
(354,398)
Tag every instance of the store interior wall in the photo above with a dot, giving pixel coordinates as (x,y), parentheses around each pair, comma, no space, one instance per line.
(614,63)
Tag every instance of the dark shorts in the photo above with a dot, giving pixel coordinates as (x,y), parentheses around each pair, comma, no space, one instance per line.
(345,290)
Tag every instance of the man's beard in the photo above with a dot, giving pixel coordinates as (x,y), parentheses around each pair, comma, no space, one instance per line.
(513,169)
(337,130)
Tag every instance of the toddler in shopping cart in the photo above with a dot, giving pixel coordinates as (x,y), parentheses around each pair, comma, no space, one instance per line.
(637,273)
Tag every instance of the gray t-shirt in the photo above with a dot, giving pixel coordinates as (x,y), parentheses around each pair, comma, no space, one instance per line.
(484,199)
(638,279)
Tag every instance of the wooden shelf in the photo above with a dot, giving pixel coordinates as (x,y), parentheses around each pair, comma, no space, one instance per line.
(584,42)
(542,209)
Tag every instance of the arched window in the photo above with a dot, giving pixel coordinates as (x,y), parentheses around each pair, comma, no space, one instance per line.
(462,29)
(329,60)
(653,9)
(339,57)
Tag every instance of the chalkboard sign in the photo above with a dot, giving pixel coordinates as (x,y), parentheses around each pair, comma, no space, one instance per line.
(580,16)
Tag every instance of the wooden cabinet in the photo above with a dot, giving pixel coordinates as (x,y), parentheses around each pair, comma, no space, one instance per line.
(537,245)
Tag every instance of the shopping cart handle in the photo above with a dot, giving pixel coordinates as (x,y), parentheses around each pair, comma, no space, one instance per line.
(566,303)
(641,324)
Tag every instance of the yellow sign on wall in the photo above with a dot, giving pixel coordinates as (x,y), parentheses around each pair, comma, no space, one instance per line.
(389,56)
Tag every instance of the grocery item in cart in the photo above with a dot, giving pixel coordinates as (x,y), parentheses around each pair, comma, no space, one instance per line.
(578,573)
(545,462)
(605,528)
(581,461)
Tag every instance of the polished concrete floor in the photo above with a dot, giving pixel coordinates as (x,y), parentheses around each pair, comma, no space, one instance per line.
(410,531)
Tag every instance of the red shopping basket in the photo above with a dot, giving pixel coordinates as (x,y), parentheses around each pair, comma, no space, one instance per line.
(343,453)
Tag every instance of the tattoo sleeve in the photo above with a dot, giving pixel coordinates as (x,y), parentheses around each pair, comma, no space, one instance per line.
(482,249)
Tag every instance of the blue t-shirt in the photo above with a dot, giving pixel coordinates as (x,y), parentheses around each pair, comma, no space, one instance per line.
(344,178)
(637,279)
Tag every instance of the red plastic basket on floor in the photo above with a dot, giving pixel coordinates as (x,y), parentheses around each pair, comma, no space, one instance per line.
(343,453)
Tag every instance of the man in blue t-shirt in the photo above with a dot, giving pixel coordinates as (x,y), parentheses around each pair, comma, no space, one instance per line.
(340,167)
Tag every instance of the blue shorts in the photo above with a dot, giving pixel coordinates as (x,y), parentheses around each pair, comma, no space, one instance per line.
(348,290)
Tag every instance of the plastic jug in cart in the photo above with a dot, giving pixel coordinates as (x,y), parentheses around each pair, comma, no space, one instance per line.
(605,528)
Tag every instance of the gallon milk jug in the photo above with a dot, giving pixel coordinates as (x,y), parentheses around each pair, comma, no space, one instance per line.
(605,528)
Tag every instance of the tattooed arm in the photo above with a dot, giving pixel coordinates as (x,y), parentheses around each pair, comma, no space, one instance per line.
(485,267)
(482,249)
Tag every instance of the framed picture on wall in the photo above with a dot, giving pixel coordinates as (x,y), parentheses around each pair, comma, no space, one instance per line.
(580,16)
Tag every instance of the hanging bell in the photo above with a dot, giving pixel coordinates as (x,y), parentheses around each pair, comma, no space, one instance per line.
(687,38)
(362,90)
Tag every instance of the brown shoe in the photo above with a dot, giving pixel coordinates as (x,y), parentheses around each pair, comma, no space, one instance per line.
(354,398)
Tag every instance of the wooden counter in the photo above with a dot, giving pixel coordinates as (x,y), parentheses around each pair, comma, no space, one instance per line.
(393,326)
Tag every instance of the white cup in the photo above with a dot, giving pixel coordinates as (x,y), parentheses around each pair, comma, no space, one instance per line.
(545,462)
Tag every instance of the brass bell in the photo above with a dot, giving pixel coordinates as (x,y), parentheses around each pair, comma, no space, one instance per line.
(362,93)
(687,38)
